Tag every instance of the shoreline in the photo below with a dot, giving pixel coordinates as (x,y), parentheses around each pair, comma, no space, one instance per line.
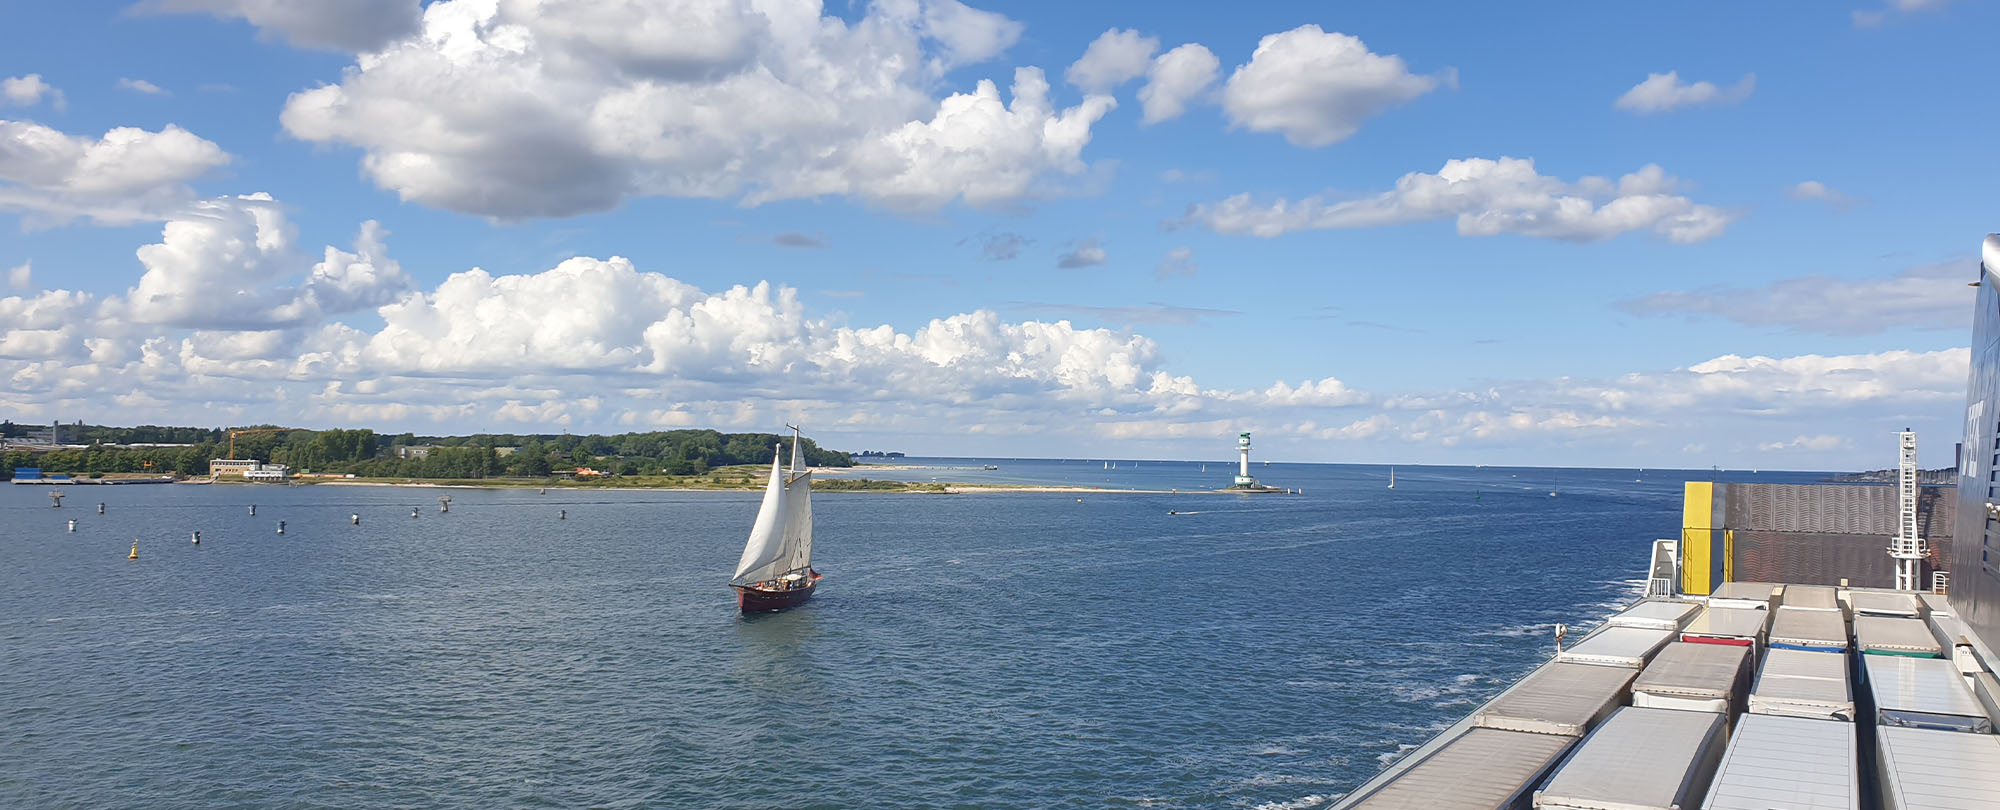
(945,488)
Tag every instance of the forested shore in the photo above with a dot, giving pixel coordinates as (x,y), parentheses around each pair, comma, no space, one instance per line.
(184,451)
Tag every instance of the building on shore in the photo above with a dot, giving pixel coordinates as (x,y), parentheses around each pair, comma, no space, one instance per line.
(218,467)
(269,473)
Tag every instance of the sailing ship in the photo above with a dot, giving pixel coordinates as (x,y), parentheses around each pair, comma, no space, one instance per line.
(1392,478)
(776,570)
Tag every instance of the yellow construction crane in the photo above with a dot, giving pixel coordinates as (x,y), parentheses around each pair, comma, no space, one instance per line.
(234,433)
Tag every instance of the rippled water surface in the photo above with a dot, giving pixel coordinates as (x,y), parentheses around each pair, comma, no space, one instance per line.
(982,650)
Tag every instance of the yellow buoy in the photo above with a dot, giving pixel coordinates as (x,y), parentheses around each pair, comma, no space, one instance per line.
(135,551)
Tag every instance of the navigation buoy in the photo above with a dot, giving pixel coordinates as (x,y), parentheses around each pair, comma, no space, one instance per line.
(100,509)
(355,519)
(281,527)
(135,550)
(253,510)
(562,515)
(72,525)
(197,538)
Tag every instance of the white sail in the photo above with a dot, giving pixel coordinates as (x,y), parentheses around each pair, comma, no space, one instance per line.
(798,535)
(766,545)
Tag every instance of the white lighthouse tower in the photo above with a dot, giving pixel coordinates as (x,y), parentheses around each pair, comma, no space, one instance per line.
(1243,478)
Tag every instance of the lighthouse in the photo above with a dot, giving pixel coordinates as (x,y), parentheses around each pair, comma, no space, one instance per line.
(1243,478)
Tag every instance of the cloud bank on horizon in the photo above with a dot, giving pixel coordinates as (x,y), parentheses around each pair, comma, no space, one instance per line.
(516,116)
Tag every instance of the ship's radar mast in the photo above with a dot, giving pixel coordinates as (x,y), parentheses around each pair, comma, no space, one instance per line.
(1907,548)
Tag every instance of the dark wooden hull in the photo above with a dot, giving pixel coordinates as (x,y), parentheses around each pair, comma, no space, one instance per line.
(755,600)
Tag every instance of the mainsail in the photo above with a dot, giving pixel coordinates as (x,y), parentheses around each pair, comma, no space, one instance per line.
(781,539)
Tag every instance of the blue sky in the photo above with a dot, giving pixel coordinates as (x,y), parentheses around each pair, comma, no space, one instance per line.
(1383,232)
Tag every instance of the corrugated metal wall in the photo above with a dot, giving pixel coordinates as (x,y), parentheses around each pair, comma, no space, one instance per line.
(1821,533)
(1813,558)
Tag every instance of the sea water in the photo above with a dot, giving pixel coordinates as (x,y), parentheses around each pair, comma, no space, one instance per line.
(973,650)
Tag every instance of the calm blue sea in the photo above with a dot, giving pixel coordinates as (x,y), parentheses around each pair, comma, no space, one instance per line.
(1023,650)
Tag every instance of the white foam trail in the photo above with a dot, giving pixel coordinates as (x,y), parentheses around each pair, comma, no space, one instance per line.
(1300,803)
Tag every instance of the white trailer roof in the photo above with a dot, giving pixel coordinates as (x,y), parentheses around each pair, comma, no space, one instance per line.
(1617,647)
(1810,628)
(1886,603)
(1811,597)
(1483,769)
(1790,762)
(1758,595)
(1746,590)
(1728,622)
(1797,683)
(1655,614)
(1560,698)
(1640,759)
(1904,687)
(1684,669)
(1938,770)
(1883,633)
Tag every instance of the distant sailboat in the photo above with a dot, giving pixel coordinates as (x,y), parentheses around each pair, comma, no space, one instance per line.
(1392,478)
(776,570)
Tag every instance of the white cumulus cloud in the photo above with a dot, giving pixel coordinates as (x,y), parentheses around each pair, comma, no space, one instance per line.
(1175,80)
(1664,92)
(29,90)
(559,107)
(1487,198)
(1316,87)
(128,175)
(232,264)
(347,25)
(1117,56)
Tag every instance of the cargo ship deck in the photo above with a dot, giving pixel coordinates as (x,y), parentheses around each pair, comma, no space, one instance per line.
(1678,702)
(1853,670)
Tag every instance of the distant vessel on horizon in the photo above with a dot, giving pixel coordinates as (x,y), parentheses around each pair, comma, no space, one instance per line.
(775,571)
(1392,478)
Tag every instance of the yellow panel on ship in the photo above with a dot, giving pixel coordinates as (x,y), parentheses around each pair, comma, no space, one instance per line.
(1697,537)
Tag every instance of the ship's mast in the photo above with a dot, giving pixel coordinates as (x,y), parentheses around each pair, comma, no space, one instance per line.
(1906,548)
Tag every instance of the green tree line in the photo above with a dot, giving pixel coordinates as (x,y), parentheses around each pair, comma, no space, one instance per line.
(363,452)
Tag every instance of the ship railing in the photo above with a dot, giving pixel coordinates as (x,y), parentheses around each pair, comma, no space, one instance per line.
(1665,570)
